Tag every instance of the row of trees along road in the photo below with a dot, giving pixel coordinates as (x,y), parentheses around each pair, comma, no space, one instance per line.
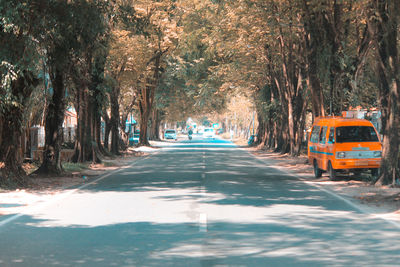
(167,60)
(312,55)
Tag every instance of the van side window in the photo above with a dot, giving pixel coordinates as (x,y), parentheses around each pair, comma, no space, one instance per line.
(322,135)
(315,134)
(331,135)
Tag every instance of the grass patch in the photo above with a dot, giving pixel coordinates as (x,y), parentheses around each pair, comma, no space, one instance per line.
(108,163)
(75,167)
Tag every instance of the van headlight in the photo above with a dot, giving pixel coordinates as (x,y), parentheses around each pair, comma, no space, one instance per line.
(340,155)
(377,154)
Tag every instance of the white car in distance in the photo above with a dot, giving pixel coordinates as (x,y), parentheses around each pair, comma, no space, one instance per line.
(209,133)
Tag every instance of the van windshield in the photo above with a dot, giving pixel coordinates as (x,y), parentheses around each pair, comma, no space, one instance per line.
(170,131)
(348,134)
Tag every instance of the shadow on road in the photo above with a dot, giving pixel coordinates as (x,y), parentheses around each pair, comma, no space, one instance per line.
(150,214)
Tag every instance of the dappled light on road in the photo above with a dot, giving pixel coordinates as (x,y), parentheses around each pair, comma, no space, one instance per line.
(161,205)
(201,205)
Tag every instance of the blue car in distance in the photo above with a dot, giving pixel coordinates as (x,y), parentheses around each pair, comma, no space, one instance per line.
(170,134)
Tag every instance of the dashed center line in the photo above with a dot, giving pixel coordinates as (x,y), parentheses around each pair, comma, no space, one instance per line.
(203,222)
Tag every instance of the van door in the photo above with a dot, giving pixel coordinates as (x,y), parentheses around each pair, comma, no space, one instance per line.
(312,144)
(330,147)
(321,148)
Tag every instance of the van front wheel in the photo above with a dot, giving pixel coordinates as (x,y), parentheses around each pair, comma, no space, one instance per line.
(332,171)
(317,171)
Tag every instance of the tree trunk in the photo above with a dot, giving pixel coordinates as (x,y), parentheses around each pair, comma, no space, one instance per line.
(86,148)
(312,41)
(146,99)
(53,127)
(270,135)
(89,99)
(114,120)
(97,131)
(107,130)
(155,125)
(97,98)
(384,26)
(11,130)
(291,126)
(124,135)
(2,122)
(144,120)
(82,151)
(317,97)
(285,138)
(261,129)
(299,135)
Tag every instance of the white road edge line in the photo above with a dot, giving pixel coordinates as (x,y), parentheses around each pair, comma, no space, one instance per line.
(350,203)
(63,195)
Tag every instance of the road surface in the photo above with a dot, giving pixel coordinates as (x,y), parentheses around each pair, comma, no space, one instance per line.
(197,203)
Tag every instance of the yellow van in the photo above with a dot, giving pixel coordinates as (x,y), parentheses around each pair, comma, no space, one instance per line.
(337,143)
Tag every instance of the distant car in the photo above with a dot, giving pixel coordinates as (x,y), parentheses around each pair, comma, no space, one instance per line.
(134,138)
(209,133)
(170,134)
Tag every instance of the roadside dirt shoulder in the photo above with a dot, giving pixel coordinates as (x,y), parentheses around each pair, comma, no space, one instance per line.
(382,201)
(41,188)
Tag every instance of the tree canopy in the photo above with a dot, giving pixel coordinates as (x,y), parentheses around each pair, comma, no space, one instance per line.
(167,60)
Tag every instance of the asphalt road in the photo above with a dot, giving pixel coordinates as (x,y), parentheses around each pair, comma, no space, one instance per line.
(197,203)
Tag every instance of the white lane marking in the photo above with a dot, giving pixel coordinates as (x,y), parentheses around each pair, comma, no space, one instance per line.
(203,216)
(64,195)
(203,222)
(350,203)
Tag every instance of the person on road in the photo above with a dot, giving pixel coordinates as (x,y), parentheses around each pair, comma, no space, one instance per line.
(190,133)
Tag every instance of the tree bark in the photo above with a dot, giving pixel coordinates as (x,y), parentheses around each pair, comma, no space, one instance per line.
(107,130)
(53,127)
(80,153)
(114,120)
(97,99)
(97,137)
(146,99)
(312,41)
(155,125)
(261,129)
(86,145)
(11,130)
(88,102)
(384,22)
(144,110)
